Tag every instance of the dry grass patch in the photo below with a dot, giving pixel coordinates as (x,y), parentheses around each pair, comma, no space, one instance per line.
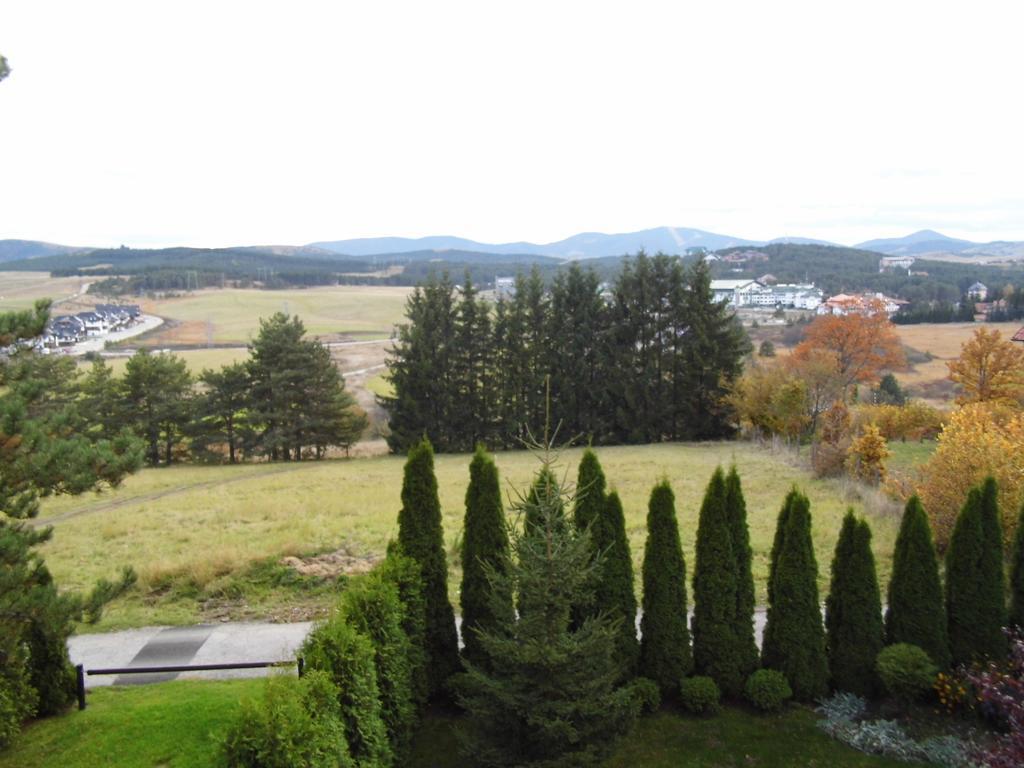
(20,290)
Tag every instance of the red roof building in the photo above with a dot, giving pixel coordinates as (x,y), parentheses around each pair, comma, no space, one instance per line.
(1019,335)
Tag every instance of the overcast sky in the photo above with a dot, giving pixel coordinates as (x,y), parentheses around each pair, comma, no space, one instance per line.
(222,123)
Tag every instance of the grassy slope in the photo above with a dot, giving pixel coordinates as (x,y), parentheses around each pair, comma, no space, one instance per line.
(232,315)
(177,725)
(19,290)
(201,523)
(195,359)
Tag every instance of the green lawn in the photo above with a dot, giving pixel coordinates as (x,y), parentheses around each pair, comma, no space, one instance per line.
(196,359)
(177,725)
(906,456)
(192,527)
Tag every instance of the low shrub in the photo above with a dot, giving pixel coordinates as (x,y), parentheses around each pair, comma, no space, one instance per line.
(700,695)
(647,694)
(768,690)
(296,724)
(906,671)
(18,699)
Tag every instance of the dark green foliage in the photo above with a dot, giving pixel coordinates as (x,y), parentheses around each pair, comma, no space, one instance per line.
(974,590)
(794,638)
(1016,618)
(700,695)
(421,537)
(17,696)
(223,407)
(906,671)
(767,349)
(614,591)
(155,395)
(665,655)
(484,550)
(550,693)
(889,391)
(715,643)
(916,613)
(648,694)
(348,658)
(768,690)
(748,656)
(297,724)
(853,611)
(590,491)
(992,574)
(780,531)
(404,573)
(372,605)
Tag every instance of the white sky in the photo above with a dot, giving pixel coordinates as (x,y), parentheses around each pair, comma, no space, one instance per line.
(222,123)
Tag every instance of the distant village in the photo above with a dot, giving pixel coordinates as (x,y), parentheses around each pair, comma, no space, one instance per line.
(68,330)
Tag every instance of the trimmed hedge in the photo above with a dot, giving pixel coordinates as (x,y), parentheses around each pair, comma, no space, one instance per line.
(768,690)
(700,695)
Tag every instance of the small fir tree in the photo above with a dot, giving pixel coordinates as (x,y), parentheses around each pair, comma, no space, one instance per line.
(550,694)
(743,621)
(853,611)
(1017,576)
(665,654)
(484,551)
(714,594)
(614,592)
(794,637)
(916,614)
(421,537)
(975,620)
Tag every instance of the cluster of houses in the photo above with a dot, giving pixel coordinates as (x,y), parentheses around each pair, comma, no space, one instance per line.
(766,293)
(66,330)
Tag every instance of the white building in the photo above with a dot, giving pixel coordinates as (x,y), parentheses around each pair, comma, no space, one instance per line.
(794,295)
(889,263)
(739,293)
(504,287)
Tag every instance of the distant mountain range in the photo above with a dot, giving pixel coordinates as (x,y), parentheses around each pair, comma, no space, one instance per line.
(586,245)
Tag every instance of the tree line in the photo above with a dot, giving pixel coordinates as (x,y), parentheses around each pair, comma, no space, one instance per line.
(645,359)
(286,402)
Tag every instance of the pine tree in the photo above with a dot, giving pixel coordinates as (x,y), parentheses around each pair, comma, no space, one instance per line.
(794,638)
(916,613)
(614,592)
(665,654)
(743,621)
(484,552)
(550,694)
(853,611)
(421,537)
(1017,576)
(974,590)
(714,594)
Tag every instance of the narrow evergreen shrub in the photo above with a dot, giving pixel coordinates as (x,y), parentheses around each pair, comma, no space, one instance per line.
(665,655)
(1016,618)
(372,605)
(715,645)
(768,690)
(700,695)
(993,576)
(748,656)
(590,491)
(974,589)
(916,613)
(421,537)
(794,637)
(404,573)
(614,591)
(484,549)
(853,611)
(296,724)
(906,671)
(347,657)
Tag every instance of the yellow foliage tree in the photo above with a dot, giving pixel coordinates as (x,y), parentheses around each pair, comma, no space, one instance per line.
(914,421)
(981,439)
(866,457)
(989,368)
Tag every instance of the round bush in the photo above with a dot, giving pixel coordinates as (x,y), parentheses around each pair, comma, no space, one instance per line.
(700,695)
(768,690)
(647,694)
(906,671)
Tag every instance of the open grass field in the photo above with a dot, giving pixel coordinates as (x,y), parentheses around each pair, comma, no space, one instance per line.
(19,290)
(232,315)
(179,725)
(193,533)
(195,359)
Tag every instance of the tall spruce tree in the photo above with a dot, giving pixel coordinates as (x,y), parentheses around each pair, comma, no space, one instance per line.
(614,592)
(794,637)
(916,613)
(1017,576)
(485,554)
(421,537)
(551,693)
(665,654)
(715,646)
(853,611)
(743,620)
(974,608)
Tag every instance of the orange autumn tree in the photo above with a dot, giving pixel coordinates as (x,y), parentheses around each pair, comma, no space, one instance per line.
(989,369)
(864,344)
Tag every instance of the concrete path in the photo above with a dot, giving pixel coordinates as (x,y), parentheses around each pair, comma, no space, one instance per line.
(98,343)
(229,642)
